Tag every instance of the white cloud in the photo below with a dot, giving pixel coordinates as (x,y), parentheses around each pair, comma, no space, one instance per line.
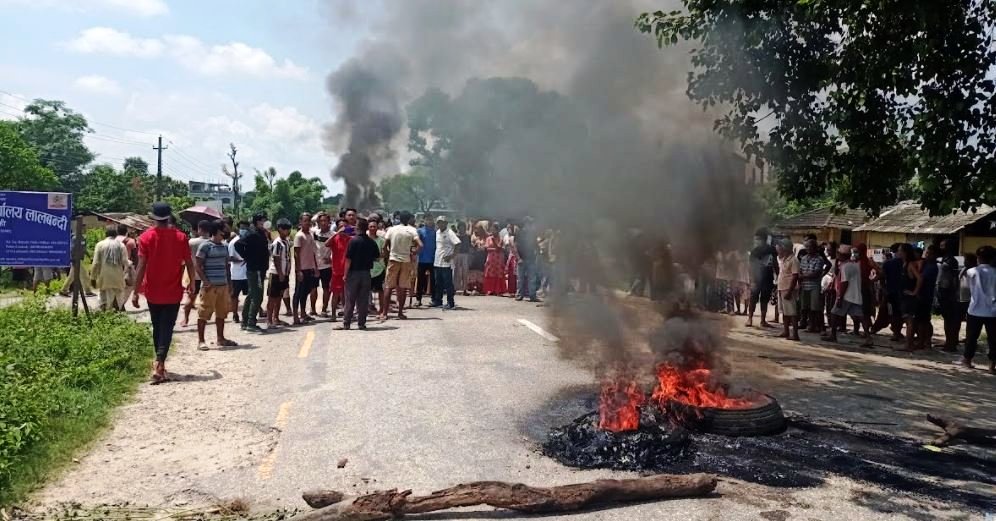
(190,52)
(97,84)
(136,7)
(104,40)
(230,58)
(287,123)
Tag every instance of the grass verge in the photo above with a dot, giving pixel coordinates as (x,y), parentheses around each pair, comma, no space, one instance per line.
(60,379)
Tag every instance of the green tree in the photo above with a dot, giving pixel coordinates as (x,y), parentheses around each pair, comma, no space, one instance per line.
(19,165)
(105,189)
(288,197)
(415,191)
(56,133)
(860,97)
(136,166)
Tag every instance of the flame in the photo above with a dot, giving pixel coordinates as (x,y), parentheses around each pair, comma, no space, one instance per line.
(695,387)
(619,405)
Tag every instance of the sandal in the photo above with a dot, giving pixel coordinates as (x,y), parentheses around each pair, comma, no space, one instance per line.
(228,343)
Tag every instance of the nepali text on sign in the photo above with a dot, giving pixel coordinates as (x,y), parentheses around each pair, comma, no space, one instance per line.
(34,229)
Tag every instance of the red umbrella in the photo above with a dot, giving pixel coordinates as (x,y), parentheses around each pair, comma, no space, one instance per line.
(196,214)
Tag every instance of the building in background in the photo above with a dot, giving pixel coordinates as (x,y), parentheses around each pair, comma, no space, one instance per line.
(907,222)
(218,196)
(826,224)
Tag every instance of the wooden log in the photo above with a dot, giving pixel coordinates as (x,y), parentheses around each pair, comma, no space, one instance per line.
(954,431)
(388,504)
(322,498)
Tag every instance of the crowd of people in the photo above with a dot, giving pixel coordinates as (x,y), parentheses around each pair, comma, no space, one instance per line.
(817,287)
(354,264)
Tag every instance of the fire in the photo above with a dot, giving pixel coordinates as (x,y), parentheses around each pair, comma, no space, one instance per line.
(695,387)
(619,406)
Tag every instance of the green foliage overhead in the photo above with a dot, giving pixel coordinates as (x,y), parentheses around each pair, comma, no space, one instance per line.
(105,189)
(860,97)
(19,165)
(56,133)
(59,380)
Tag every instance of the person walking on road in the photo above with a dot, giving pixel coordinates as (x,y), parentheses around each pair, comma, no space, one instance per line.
(163,252)
(399,244)
(442,265)
(361,253)
(195,244)
(981,307)
(110,263)
(131,246)
(215,294)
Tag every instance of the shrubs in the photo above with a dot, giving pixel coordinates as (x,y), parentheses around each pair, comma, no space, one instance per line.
(59,380)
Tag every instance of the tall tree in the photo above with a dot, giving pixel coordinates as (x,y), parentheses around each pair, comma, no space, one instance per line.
(19,165)
(56,132)
(136,166)
(860,97)
(288,197)
(415,190)
(105,189)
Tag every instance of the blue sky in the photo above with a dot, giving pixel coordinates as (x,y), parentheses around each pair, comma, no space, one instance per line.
(202,73)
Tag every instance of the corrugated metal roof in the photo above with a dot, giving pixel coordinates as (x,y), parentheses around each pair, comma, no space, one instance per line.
(131,220)
(908,217)
(824,218)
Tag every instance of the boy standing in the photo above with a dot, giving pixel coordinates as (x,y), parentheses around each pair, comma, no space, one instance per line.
(788,280)
(214,273)
(278,272)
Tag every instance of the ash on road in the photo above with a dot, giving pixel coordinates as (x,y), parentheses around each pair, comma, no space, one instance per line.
(470,394)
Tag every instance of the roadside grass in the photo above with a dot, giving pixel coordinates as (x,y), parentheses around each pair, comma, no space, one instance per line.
(60,379)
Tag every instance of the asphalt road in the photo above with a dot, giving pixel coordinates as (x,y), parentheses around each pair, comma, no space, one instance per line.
(442,398)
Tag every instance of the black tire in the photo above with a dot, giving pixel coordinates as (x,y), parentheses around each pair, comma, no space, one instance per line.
(762,420)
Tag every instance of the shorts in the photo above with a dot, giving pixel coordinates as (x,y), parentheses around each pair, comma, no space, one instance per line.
(789,306)
(213,300)
(277,287)
(240,287)
(197,287)
(399,275)
(377,283)
(909,307)
(811,300)
(325,277)
(848,309)
(761,293)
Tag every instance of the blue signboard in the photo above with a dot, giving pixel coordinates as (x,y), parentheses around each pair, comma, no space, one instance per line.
(35,229)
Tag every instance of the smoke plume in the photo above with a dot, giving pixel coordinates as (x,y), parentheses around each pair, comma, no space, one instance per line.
(564,112)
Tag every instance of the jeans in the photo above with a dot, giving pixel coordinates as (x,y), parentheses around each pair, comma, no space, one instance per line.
(973,328)
(527,274)
(163,320)
(357,295)
(953,314)
(303,289)
(424,275)
(255,298)
(443,284)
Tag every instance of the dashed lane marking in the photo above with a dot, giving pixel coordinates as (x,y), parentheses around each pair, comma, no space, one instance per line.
(538,330)
(266,466)
(309,339)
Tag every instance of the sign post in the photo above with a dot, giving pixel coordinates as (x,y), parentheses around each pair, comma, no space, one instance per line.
(35,231)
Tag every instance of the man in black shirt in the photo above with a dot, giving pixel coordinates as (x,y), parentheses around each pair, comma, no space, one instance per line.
(360,256)
(525,250)
(254,249)
(763,269)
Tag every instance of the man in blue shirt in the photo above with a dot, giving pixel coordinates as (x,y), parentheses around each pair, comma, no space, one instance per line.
(427,234)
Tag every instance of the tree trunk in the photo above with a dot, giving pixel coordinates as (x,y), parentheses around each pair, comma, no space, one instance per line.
(390,504)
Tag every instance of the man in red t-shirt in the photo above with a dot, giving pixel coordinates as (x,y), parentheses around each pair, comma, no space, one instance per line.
(163,252)
(338,244)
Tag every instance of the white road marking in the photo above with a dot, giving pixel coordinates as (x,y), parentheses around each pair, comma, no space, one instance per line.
(538,330)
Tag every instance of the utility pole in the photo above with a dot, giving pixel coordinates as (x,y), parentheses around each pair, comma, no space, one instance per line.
(235,176)
(159,167)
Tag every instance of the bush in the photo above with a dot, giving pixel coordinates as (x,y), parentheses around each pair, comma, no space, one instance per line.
(59,380)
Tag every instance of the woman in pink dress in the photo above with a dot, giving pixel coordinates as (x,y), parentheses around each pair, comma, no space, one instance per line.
(494,267)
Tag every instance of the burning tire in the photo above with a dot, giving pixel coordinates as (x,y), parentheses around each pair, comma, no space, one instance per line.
(763,419)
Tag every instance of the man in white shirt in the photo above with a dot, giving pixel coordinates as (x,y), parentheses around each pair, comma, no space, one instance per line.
(324,254)
(442,265)
(239,273)
(401,243)
(981,307)
(849,298)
